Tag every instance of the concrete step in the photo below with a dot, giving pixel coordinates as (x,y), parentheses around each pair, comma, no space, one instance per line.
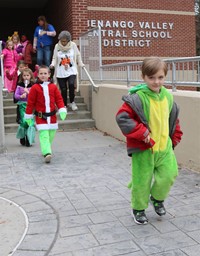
(71,115)
(80,119)
(77,124)
(9,101)
(65,125)
(9,110)
(10,95)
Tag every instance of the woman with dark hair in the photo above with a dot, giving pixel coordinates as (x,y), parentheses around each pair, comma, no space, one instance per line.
(27,50)
(43,41)
(66,59)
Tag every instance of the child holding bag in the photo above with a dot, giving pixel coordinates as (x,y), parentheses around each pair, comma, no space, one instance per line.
(26,80)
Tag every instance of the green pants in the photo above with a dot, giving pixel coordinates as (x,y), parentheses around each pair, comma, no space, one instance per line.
(46,138)
(153,173)
(22,128)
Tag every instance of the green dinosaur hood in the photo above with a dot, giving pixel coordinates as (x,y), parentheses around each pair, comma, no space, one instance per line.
(143,89)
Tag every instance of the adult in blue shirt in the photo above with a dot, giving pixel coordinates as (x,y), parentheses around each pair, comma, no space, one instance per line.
(43,41)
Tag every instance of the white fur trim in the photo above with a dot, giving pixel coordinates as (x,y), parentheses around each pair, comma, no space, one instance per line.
(47,99)
(47,126)
(63,110)
(28,116)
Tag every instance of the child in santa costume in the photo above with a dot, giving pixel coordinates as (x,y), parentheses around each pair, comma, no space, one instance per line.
(44,101)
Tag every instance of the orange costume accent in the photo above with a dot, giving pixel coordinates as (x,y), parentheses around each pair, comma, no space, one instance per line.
(65,61)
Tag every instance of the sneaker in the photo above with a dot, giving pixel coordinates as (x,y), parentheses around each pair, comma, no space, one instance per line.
(47,158)
(73,106)
(158,206)
(139,217)
(23,141)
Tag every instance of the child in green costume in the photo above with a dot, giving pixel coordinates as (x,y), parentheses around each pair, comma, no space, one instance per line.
(149,120)
(21,96)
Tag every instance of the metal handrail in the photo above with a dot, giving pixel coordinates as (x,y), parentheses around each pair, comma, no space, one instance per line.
(178,70)
(4,90)
(94,86)
(2,131)
(2,70)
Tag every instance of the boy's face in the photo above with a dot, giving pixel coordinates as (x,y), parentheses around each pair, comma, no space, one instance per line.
(43,74)
(155,81)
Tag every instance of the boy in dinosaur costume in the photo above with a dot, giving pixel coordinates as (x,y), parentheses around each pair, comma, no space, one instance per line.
(149,120)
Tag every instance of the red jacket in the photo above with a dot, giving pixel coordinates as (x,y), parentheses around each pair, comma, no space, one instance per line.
(44,98)
(28,52)
(134,126)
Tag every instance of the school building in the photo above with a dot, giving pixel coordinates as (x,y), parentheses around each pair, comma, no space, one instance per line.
(130,30)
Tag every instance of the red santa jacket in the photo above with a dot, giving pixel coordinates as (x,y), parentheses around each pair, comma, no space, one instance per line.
(44,98)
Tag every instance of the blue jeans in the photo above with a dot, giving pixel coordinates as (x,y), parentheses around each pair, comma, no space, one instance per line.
(44,55)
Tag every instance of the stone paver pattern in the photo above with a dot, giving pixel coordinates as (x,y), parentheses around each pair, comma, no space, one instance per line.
(79,204)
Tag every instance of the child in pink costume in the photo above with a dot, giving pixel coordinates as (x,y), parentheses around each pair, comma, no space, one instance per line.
(10,58)
(17,45)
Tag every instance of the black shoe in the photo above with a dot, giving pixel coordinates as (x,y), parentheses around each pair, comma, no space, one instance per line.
(158,206)
(23,141)
(139,217)
(18,120)
(27,142)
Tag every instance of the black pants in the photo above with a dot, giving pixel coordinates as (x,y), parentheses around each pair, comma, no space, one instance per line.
(63,88)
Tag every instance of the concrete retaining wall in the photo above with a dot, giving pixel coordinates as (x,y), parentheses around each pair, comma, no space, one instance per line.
(107,101)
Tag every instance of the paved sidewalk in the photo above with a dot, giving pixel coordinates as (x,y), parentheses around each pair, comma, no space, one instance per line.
(79,204)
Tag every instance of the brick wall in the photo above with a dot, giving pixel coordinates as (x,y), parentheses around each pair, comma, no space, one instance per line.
(178,5)
(177,41)
(69,15)
(61,19)
(156,27)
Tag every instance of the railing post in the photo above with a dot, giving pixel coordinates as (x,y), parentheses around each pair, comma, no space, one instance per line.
(198,72)
(173,77)
(2,132)
(128,76)
(100,55)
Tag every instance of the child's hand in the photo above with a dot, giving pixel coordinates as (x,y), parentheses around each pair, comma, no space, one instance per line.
(23,96)
(43,33)
(147,139)
(26,90)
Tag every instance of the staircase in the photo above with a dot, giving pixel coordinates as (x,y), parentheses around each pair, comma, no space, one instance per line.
(77,120)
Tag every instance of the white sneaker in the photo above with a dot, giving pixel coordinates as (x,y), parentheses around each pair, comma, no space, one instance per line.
(73,106)
(47,158)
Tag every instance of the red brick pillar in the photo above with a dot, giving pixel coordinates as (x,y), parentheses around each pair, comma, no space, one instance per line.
(79,18)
